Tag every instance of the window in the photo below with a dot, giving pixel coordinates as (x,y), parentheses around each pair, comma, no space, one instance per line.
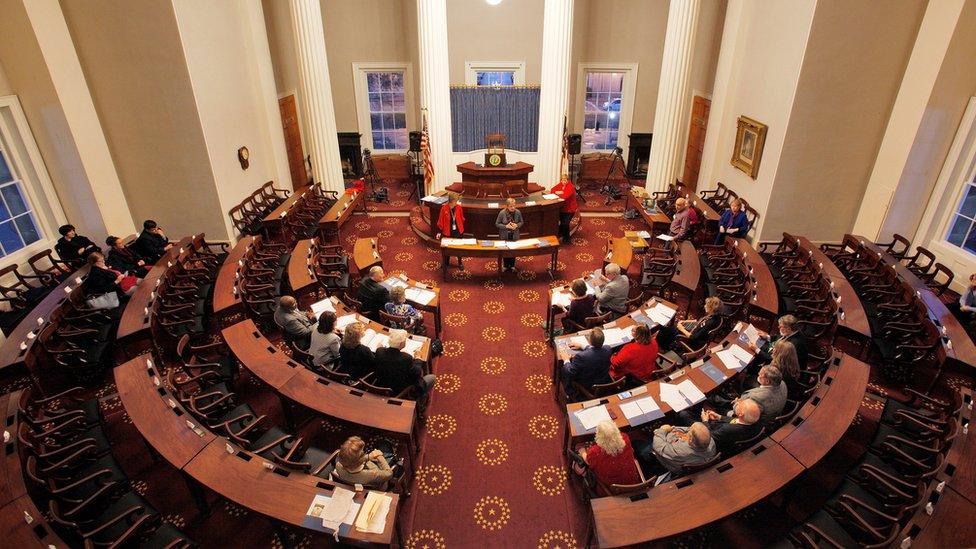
(383,103)
(494,73)
(962,232)
(601,109)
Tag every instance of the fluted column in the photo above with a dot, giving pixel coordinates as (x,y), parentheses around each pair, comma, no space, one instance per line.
(435,89)
(673,95)
(557,43)
(316,94)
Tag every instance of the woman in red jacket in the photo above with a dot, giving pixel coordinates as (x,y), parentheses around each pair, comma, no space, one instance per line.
(567,191)
(450,220)
(637,358)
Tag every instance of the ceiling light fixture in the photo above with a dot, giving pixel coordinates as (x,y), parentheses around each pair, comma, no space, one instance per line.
(493,2)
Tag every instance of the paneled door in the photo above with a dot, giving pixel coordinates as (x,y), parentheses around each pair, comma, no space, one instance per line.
(293,141)
(696,140)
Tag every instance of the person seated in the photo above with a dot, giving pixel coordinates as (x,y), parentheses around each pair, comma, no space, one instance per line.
(784,358)
(965,308)
(637,358)
(727,431)
(681,221)
(397,305)
(672,448)
(770,395)
(789,331)
(733,222)
(590,366)
(613,290)
(355,359)
(373,295)
(104,285)
(72,247)
(124,259)
(612,457)
(697,332)
(324,345)
(152,243)
(398,370)
(354,466)
(295,325)
(581,306)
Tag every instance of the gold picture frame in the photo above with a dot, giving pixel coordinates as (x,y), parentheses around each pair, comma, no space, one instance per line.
(750,137)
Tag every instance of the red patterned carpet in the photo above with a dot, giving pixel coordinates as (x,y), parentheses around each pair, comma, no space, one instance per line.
(492,471)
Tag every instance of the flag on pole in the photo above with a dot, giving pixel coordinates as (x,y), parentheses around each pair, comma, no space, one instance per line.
(425,151)
(564,159)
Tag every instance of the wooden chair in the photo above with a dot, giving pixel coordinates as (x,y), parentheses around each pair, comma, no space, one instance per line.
(921,262)
(491,190)
(53,274)
(406,393)
(402,322)
(601,389)
(515,189)
(939,287)
(898,247)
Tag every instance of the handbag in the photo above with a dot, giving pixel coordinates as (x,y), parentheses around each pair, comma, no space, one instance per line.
(104,301)
(128,282)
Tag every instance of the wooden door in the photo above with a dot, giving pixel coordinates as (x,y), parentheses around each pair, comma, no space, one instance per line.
(696,140)
(293,141)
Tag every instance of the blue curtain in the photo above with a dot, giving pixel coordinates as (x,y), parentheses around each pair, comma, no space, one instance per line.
(476,112)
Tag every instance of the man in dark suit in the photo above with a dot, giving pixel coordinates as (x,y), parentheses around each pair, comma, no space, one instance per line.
(372,295)
(397,370)
(152,244)
(789,331)
(590,366)
(72,247)
(727,431)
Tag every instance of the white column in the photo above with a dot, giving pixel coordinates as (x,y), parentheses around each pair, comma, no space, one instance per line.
(673,95)
(557,43)
(316,93)
(435,89)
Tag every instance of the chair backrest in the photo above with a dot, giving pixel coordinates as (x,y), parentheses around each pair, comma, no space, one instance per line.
(515,188)
(611,388)
(938,287)
(395,321)
(632,489)
(375,389)
(594,321)
(688,469)
(491,190)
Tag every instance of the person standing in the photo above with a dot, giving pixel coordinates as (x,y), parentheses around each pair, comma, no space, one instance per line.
(509,221)
(450,220)
(567,191)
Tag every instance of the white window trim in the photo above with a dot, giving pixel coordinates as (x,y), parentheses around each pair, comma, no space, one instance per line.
(40,191)
(958,169)
(626,106)
(359,70)
(472,68)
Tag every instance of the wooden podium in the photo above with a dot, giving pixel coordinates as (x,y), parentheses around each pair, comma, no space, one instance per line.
(501,181)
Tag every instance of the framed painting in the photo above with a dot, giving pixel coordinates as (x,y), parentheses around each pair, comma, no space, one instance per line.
(750,136)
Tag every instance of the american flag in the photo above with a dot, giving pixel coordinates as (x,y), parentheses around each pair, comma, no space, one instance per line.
(425,150)
(564,159)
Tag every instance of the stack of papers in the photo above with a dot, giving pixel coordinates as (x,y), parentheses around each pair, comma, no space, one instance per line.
(550,196)
(420,296)
(459,241)
(682,395)
(334,510)
(435,199)
(320,307)
(735,357)
(641,407)
(713,373)
(372,517)
(591,417)
(530,202)
(524,243)
(374,340)
(665,237)
(615,336)
(561,298)
(660,313)
(395,281)
(412,346)
(644,234)
(493,204)
(345,320)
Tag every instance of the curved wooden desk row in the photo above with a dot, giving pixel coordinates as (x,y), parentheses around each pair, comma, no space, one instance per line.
(239,476)
(741,481)
(550,248)
(295,202)
(540,215)
(301,386)
(332,220)
(22,524)
(765,296)
(711,216)
(962,349)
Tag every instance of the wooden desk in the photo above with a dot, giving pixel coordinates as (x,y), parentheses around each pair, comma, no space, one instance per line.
(272,222)
(637,242)
(696,500)
(658,221)
(365,256)
(825,418)
(162,426)
(688,274)
(134,323)
(855,320)
(621,252)
(301,275)
(332,221)
(480,175)
(15,531)
(226,298)
(539,218)
(950,525)
(765,301)
(478,250)
(299,385)
(433,306)
(11,475)
(711,216)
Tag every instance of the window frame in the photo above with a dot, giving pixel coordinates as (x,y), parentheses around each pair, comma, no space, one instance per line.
(361,89)
(28,165)
(472,68)
(626,105)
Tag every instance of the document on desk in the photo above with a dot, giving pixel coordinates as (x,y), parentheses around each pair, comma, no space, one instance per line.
(730,360)
(394,282)
(524,243)
(579,340)
(561,298)
(336,510)
(672,396)
(459,241)
(372,516)
(374,340)
(644,234)
(741,353)
(713,373)
(550,196)
(412,345)
(418,295)
(691,392)
(665,237)
(613,337)
(642,410)
(748,333)
(320,307)
(591,417)
(345,320)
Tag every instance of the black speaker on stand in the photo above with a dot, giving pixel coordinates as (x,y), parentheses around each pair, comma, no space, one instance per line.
(574,142)
(415,141)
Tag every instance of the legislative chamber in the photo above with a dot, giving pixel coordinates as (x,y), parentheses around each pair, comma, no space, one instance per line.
(448,273)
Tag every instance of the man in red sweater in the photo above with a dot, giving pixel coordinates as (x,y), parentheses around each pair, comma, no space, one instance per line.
(567,191)
(637,358)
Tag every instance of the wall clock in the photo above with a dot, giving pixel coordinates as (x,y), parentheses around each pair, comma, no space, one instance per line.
(243,155)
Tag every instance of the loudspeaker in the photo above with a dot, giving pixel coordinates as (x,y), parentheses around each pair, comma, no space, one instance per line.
(415,142)
(575,143)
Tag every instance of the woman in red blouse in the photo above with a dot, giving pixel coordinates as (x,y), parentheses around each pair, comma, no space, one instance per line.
(612,457)
(567,191)
(637,358)
(450,220)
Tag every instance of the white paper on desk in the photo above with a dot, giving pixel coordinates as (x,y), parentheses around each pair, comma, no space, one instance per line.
(615,336)
(561,298)
(672,396)
(459,241)
(374,340)
(741,354)
(691,391)
(395,281)
(526,243)
(751,333)
(345,320)
(530,203)
(579,340)
(644,234)
(378,506)
(649,406)
(591,417)
(320,307)
(730,361)
(417,295)
(493,204)
(338,507)
(412,345)
(665,237)
(631,410)
(550,196)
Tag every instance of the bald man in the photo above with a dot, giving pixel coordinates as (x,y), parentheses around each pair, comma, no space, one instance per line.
(728,431)
(675,447)
(681,220)
(373,295)
(611,295)
(295,324)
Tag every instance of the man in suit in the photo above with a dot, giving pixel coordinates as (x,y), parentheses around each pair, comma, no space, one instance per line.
(295,324)
(742,425)
(789,331)
(508,222)
(770,395)
(397,370)
(612,293)
(152,244)
(590,366)
(372,295)
(72,247)
(675,447)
